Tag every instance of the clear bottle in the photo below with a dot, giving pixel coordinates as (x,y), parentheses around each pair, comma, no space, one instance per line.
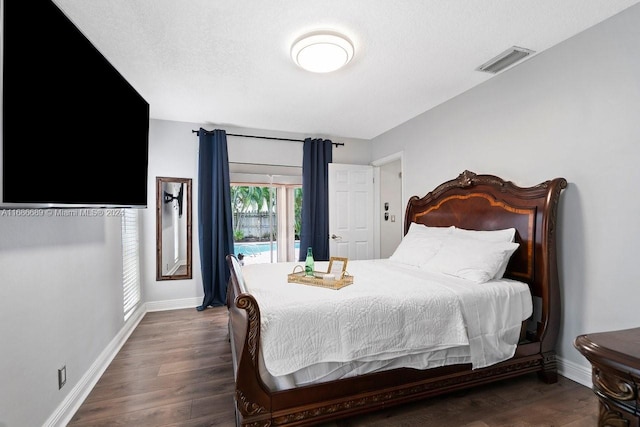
(309,264)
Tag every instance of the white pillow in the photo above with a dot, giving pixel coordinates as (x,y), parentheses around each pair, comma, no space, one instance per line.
(505,235)
(420,244)
(471,259)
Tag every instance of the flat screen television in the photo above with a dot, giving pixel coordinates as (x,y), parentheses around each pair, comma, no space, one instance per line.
(75,133)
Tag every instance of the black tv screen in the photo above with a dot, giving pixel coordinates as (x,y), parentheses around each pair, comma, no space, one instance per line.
(74,131)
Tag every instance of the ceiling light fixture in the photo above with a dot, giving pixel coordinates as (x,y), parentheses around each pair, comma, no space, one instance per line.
(322,52)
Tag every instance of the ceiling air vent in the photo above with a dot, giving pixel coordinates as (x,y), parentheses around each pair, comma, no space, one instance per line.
(505,59)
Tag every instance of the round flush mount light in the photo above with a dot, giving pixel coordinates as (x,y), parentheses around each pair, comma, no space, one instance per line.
(322,52)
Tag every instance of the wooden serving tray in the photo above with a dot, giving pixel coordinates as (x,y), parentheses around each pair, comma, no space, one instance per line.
(299,277)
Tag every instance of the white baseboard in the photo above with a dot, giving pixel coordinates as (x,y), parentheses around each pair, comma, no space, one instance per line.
(575,372)
(67,409)
(174,304)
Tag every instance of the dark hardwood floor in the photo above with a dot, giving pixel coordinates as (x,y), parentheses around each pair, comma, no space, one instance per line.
(175,370)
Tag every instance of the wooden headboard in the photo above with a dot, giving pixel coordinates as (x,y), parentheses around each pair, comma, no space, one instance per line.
(487,202)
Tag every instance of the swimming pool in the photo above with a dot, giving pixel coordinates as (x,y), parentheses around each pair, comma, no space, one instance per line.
(256,248)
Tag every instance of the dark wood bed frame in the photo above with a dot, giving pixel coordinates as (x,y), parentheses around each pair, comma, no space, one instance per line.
(479,202)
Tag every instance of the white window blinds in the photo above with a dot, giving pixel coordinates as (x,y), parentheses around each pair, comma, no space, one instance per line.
(130,261)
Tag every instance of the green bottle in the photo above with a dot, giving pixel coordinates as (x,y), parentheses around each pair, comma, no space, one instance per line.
(308,264)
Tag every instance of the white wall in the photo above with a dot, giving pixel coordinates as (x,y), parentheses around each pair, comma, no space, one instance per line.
(572,111)
(172,153)
(391,232)
(60,304)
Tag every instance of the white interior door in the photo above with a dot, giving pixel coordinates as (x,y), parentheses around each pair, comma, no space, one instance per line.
(351,211)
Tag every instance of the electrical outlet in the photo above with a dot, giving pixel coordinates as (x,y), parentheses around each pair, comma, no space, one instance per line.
(62,376)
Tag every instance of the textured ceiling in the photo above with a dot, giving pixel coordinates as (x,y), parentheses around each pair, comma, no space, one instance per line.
(227,62)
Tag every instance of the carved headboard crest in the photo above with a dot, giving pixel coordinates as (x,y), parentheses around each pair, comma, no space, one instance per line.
(466,178)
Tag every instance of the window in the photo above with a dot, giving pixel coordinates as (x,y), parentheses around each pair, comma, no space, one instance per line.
(130,261)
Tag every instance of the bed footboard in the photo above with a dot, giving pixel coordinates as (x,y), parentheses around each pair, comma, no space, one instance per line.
(252,397)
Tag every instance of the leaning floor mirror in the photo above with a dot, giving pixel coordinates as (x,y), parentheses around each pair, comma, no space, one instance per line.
(173,228)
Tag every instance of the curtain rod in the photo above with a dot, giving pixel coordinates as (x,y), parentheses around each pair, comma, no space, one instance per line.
(337,144)
(264,164)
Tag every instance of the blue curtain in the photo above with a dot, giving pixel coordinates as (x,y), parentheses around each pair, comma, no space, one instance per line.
(214,216)
(314,233)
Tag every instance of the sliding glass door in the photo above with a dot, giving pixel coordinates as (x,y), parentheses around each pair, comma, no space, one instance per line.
(266,221)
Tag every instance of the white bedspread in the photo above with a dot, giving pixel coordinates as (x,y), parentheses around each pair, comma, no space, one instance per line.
(389,311)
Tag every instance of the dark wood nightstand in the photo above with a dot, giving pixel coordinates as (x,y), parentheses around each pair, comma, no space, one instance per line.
(615,362)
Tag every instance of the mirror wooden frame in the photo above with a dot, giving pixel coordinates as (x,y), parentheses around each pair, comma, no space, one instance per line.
(182,271)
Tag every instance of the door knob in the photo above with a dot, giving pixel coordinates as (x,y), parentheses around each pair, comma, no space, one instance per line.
(334,237)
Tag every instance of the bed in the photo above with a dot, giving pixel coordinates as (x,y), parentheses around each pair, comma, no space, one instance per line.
(267,394)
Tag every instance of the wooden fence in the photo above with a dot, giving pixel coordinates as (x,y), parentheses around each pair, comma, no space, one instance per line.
(255,225)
